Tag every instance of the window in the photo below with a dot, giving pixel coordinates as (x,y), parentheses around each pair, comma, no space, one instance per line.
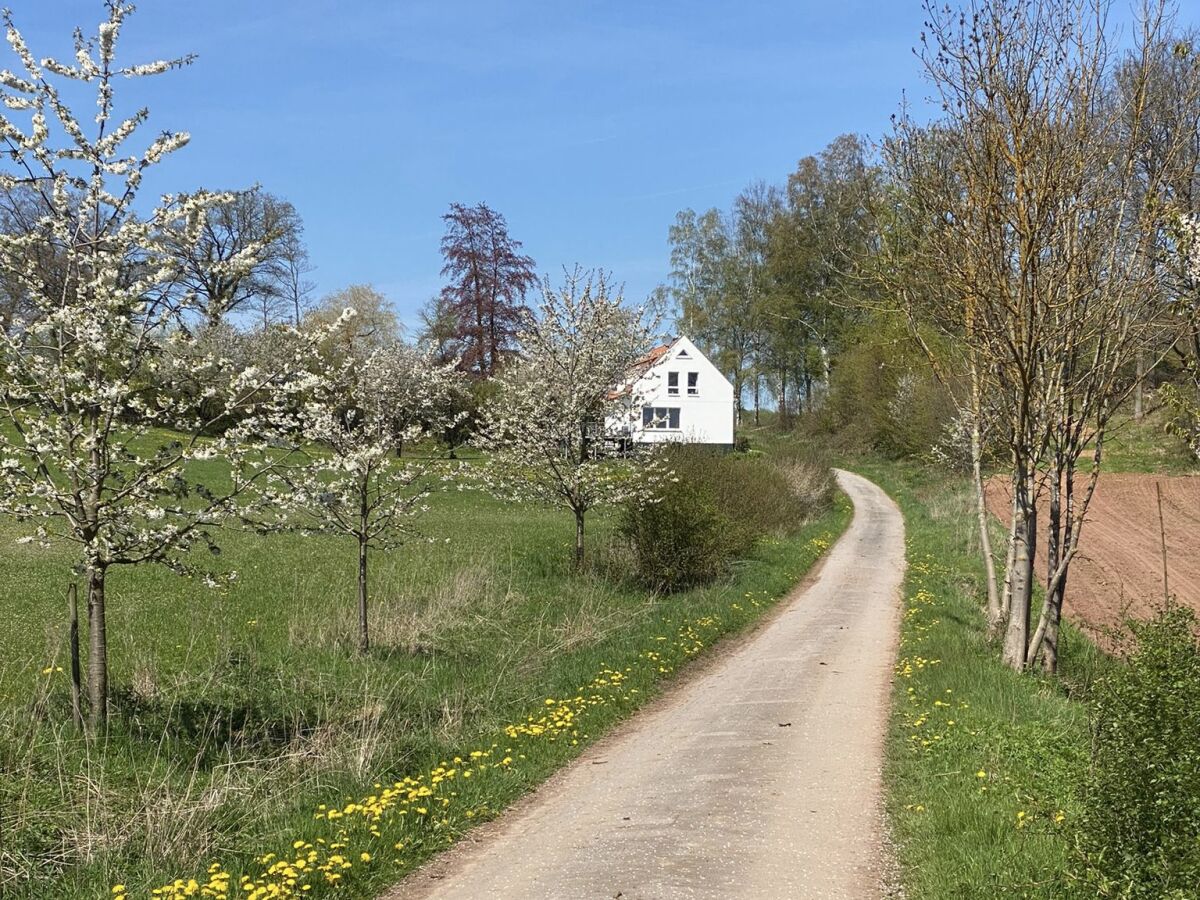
(664,417)
(673,384)
(693,386)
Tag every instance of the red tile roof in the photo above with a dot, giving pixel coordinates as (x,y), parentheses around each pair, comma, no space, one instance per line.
(643,364)
(640,367)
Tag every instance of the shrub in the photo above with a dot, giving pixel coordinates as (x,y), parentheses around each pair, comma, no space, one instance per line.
(680,541)
(717,509)
(1182,415)
(1140,832)
(809,476)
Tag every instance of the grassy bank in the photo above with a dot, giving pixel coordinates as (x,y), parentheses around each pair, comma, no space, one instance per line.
(983,764)
(1145,446)
(250,741)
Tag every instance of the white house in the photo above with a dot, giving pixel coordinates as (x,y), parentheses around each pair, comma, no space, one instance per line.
(675,394)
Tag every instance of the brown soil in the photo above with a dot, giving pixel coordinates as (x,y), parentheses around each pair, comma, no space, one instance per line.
(1119,570)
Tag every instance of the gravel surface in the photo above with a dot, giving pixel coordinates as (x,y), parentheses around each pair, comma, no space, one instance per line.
(757,777)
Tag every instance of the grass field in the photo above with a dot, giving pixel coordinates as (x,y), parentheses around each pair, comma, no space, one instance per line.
(983,764)
(1145,446)
(250,740)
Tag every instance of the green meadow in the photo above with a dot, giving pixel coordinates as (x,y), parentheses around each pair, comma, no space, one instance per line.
(242,714)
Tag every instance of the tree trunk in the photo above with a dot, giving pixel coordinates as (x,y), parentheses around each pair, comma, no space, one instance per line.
(1016,637)
(364,639)
(1009,556)
(97,648)
(479,336)
(364,531)
(994,613)
(757,396)
(1062,543)
(1138,387)
(579,514)
(1049,628)
(493,332)
(1051,608)
(73,647)
(783,407)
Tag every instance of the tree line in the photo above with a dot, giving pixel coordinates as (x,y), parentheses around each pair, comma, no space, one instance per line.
(769,288)
(1011,272)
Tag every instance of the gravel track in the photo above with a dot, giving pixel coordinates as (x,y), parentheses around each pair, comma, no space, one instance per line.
(757,777)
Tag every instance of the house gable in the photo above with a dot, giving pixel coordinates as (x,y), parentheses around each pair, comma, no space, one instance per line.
(683,397)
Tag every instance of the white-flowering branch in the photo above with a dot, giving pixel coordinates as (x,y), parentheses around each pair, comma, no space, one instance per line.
(550,429)
(100,445)
(360,416)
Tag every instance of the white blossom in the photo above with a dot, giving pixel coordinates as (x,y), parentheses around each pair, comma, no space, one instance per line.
(1188,246)
(361,414)
(1182,405)
(547,429)
(99,367)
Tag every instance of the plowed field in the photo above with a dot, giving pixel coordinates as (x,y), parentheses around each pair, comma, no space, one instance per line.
(1119,570)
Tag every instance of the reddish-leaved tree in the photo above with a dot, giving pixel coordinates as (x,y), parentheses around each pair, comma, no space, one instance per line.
(489,276)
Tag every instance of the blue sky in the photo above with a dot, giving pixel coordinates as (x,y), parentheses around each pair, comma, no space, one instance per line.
(588,124)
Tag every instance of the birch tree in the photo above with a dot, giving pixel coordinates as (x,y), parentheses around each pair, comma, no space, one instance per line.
(1031,225)
(544,429)
(1161,87)
(84,458)
(718,278)
(818,240)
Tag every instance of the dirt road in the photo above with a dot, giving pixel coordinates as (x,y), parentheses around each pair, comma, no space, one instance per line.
(760,778)
(1119,569)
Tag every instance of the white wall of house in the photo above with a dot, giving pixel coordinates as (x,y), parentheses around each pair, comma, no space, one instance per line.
(682,397)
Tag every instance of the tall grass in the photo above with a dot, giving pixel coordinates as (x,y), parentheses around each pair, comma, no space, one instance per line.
(1146,446)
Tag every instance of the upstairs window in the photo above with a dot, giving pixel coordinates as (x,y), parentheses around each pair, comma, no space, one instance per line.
(673,384)
(661,417)
(693,384)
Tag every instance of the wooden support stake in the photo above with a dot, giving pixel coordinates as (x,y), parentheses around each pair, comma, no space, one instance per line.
(76,678)
(1162,532)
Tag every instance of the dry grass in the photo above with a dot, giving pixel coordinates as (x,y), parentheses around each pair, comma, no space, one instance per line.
(811,482)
